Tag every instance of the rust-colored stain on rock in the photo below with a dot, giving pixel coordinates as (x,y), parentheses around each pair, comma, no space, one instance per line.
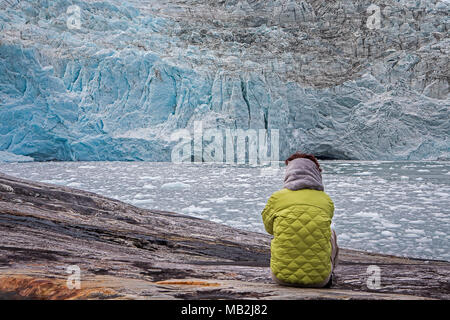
(23,287)
(190,283)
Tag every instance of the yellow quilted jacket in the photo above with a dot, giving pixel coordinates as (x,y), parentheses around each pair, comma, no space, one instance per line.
(300,222)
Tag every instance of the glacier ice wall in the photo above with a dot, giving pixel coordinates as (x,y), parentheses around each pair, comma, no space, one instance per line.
(134,72)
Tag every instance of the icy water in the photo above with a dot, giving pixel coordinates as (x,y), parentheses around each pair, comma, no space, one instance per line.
(400,208)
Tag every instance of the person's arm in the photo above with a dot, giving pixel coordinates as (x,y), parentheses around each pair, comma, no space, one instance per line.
(331,204)
(268,216)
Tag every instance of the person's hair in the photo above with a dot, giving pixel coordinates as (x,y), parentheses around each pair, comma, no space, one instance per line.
(299,155)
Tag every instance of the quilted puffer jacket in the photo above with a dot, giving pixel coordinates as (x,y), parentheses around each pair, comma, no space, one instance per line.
(299,217)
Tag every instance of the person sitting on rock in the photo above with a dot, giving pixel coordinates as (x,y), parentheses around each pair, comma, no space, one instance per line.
(304,249)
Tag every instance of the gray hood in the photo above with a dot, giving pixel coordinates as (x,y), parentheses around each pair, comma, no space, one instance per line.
(303,174)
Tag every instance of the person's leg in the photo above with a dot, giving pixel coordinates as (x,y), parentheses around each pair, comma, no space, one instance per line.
(334,250)
(334,257)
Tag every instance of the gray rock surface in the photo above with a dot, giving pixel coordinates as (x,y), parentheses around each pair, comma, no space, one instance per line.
(125,252)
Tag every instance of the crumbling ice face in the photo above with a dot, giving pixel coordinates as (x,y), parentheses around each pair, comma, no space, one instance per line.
(113,80)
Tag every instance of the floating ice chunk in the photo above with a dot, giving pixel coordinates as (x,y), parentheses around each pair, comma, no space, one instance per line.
(424,240)
(438,214)
(223,199)
(362,235)
(245,175)
(417,222)
(149,187)
(270,172)
(193,209)
(345,184)
(441,194)
(141,196)
(149,178)
(244,185)
(386,233)
(175,186)
(54,181)
(343,236)
(74,184)
(416,232)
(87,167)
(373,215)
(357,200)
(365,173)
(142,201)
(388,224)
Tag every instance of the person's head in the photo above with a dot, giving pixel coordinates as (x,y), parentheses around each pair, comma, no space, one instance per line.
(303,172)
(300,155)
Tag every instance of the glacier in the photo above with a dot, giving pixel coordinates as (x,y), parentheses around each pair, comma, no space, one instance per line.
(11,157)
(116,84)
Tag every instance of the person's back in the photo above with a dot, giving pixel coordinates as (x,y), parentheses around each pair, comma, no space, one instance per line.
(304,247)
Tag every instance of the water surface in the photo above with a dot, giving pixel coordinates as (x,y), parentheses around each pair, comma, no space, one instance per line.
(400,208)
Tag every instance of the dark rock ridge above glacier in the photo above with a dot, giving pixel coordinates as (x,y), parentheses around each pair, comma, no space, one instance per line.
(332,80)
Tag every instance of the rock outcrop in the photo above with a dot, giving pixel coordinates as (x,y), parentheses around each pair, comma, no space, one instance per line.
(124,252)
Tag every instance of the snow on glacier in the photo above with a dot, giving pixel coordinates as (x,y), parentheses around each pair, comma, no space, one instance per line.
(118,87)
